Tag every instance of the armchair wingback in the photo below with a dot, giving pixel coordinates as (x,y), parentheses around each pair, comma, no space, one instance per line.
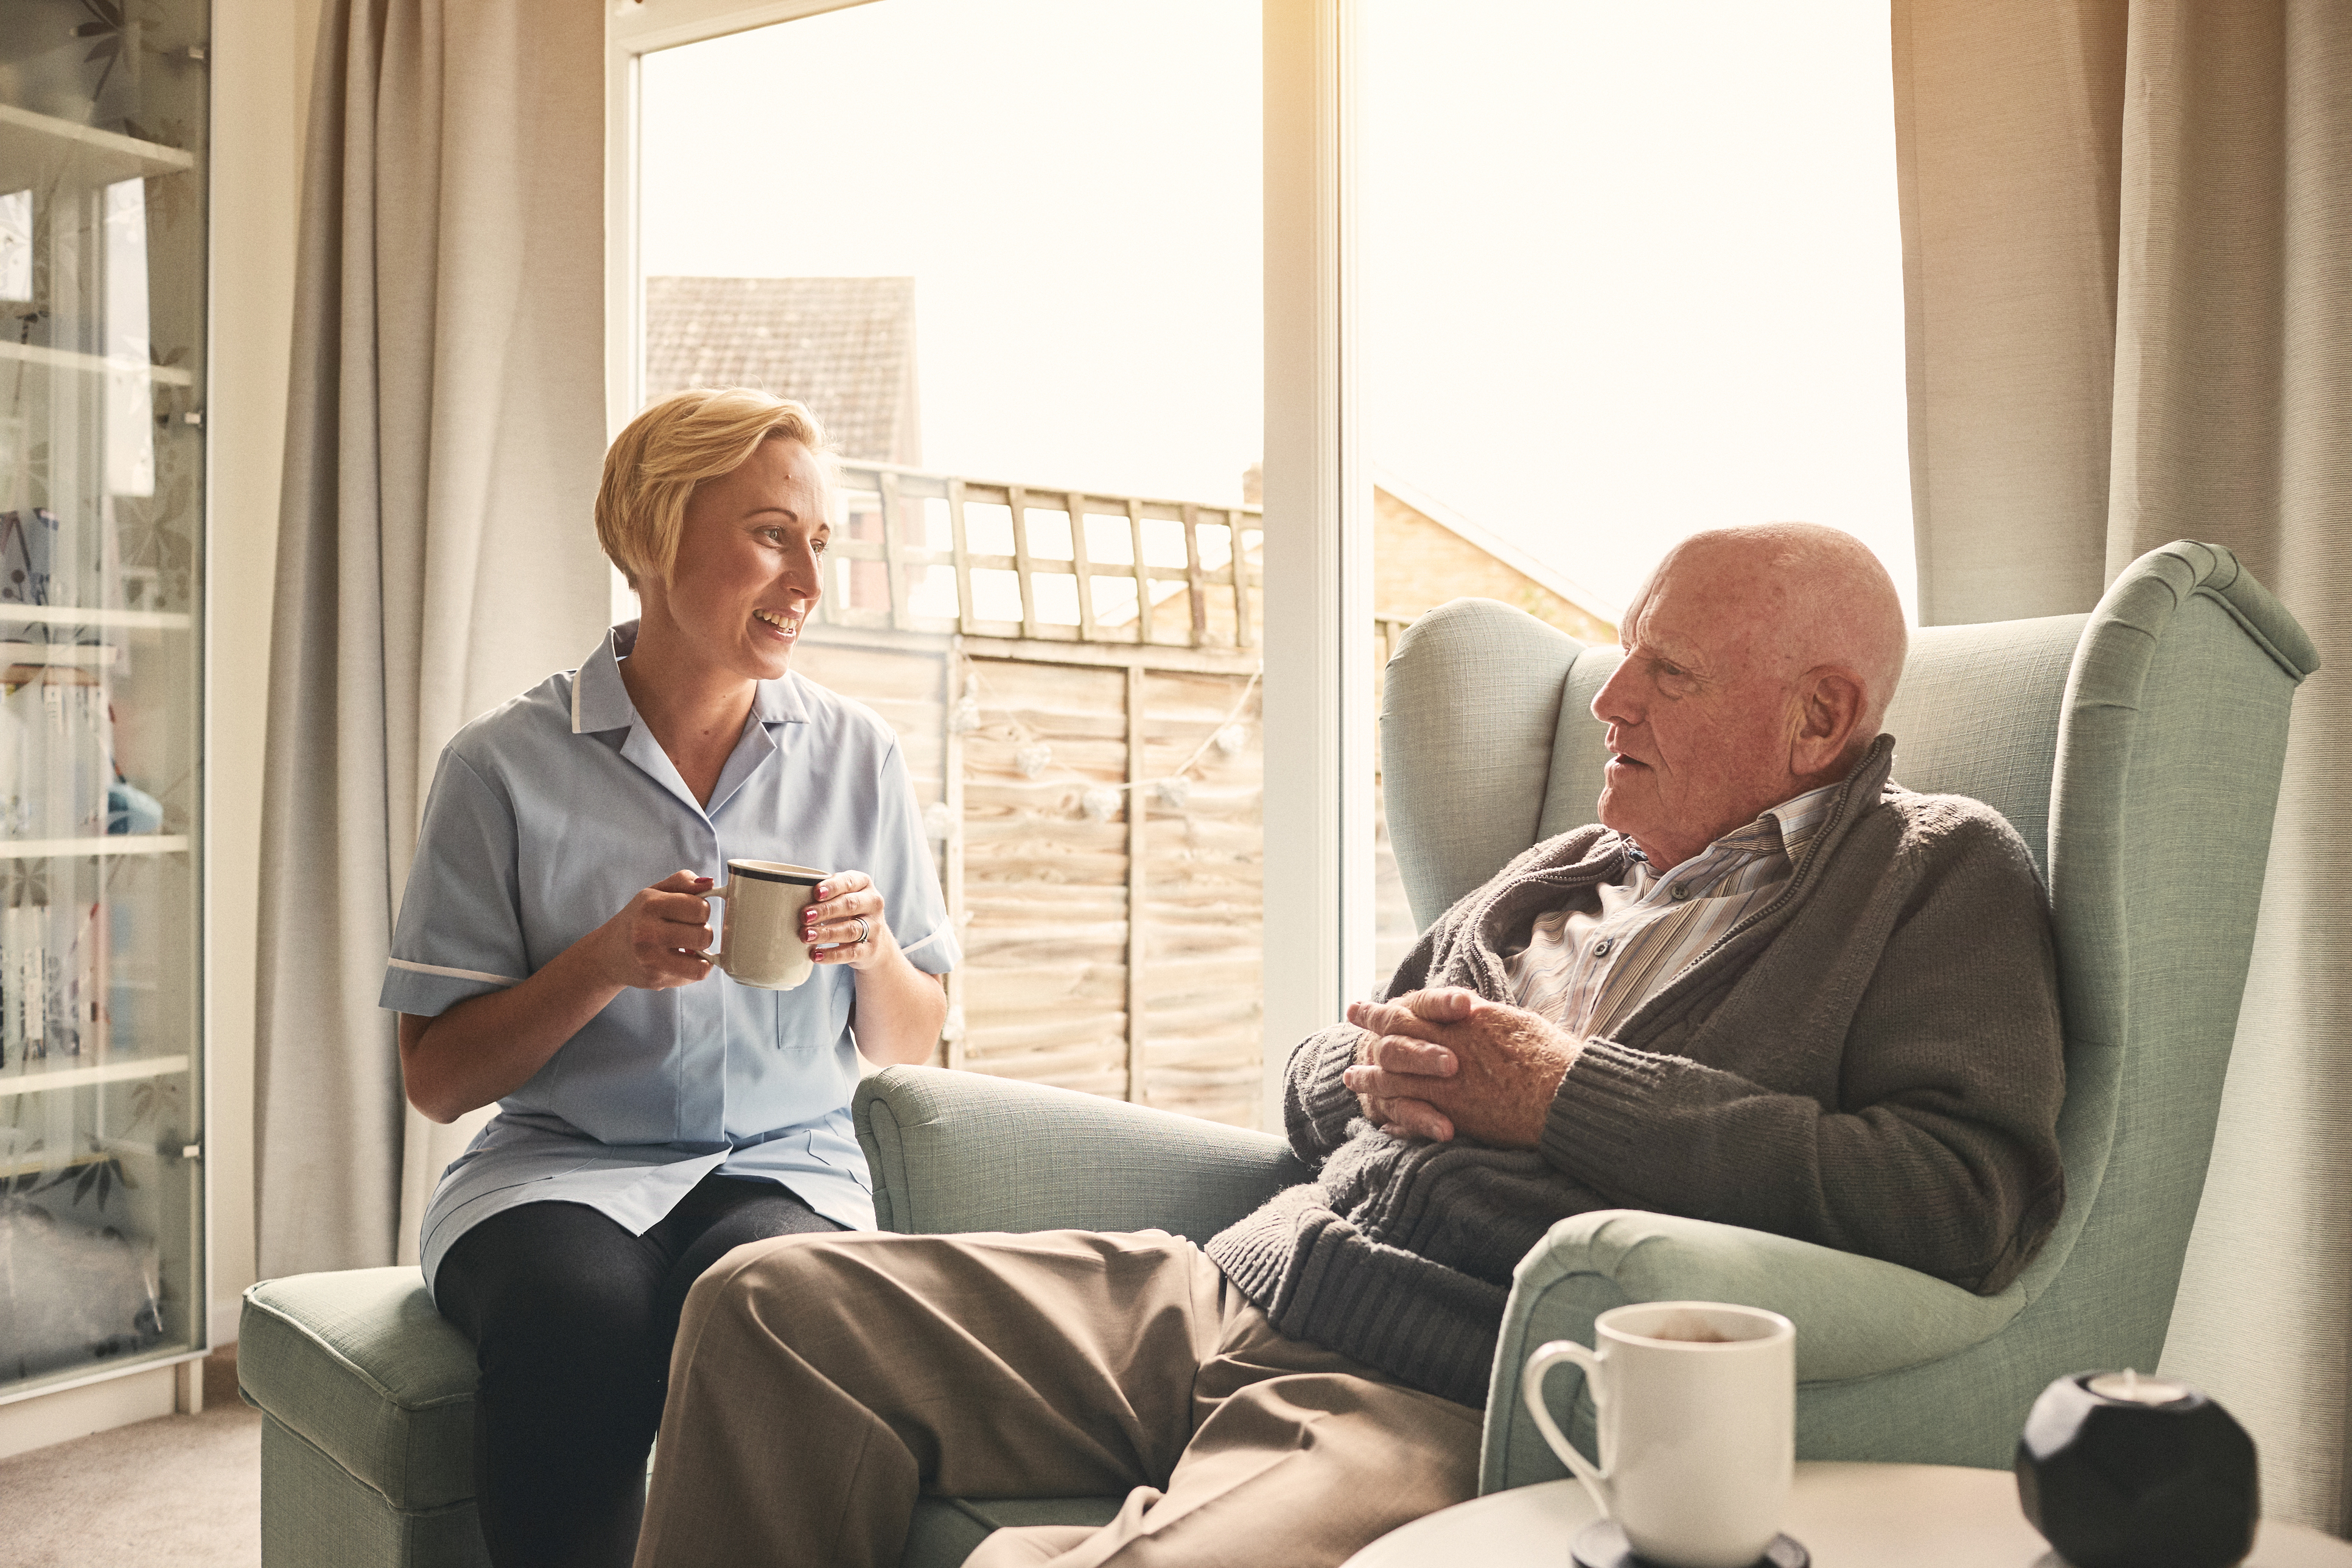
(2138,749)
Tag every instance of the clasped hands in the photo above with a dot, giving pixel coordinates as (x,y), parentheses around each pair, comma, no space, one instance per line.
(1439,1063)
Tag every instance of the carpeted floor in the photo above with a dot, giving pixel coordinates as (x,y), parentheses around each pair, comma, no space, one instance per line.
(180,1492)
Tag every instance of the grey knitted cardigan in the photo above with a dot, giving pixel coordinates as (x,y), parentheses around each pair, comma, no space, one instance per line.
(1870,1062)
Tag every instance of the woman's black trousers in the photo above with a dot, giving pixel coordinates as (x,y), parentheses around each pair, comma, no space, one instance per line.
(572,1319)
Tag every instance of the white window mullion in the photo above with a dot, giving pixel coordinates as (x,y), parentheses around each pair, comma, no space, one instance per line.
(1318,609)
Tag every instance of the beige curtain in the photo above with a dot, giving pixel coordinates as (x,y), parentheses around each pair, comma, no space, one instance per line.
(2127,236)
(436,550)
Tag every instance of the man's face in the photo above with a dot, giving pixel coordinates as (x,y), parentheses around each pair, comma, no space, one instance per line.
(1699,715)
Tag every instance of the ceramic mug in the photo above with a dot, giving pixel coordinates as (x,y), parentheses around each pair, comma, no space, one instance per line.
(1696,1406)
(761,943)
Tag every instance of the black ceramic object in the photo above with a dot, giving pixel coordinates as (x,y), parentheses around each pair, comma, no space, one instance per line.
(2113,1483)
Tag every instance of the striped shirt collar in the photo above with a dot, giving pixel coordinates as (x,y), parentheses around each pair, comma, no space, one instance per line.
(1592,964)
(1784,829)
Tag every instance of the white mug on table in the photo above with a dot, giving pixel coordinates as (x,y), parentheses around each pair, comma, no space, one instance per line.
(761,943)
(1696,1406)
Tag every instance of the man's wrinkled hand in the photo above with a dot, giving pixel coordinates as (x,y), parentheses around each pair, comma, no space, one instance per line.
(1446,1061)
(1405,1115)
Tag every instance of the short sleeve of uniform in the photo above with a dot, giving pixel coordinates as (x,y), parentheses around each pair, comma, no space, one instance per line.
(903,869)
(460,931)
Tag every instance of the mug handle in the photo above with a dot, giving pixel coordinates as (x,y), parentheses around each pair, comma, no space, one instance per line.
(717,957)
(1547,1356)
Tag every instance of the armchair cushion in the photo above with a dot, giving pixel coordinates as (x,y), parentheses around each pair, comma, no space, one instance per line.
(360,1366)
(964,1151)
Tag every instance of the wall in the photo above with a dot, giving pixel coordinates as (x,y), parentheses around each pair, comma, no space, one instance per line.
(261,52)
(260,57)
(1417,564)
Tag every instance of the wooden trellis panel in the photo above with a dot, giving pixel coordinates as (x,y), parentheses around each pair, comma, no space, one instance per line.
(900,524)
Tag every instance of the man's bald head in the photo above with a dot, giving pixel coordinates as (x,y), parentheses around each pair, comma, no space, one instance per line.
(1758,664)
(1814,596)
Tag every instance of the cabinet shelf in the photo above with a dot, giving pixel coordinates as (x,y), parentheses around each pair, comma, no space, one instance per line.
(68,359)
(31,141)
(42,1078)
(109,843)
(69,616)
(99,654)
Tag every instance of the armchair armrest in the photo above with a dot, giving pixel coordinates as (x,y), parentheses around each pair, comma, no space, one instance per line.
(963,1152)
(1855,1316)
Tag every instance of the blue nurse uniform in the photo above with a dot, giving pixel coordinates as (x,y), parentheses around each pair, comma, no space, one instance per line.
(547,815)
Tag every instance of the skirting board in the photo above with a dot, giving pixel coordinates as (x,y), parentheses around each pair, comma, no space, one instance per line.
(73,1413)
(101,1406)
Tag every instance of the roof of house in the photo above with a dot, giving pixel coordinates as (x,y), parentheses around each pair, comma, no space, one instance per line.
(1494,544)
(845,346)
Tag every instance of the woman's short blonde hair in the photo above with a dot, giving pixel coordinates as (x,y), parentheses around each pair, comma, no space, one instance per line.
(653,467)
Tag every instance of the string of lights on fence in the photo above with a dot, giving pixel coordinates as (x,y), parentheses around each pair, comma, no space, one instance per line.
(1034,756)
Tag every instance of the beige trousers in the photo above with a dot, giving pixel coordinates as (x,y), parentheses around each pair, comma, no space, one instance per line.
(820,1382)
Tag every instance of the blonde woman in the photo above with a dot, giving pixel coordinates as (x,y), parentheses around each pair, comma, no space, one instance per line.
(652,1114)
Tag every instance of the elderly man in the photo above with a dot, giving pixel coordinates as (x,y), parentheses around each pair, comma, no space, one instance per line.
(1773,989)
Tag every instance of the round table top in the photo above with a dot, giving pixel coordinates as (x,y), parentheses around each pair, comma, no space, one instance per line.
(1847,1516)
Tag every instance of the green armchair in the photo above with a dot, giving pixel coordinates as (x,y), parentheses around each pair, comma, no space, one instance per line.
(2138,749)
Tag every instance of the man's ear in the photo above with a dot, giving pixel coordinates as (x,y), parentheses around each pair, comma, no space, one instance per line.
(1829,713)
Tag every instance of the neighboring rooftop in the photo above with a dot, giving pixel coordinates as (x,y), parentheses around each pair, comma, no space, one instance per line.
(1424,552)
(845,346)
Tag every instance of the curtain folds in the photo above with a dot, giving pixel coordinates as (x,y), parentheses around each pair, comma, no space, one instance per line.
(2127,238)
(437,554)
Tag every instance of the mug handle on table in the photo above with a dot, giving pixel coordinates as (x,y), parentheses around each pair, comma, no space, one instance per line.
(1547,1356)
(717,958)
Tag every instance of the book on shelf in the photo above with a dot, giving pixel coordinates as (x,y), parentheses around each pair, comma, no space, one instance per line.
(28,549)
(53,981)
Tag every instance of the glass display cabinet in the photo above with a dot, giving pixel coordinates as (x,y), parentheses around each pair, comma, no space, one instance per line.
(103,118)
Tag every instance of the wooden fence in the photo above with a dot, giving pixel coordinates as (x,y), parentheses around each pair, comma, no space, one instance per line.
(1072,679)
(935,553)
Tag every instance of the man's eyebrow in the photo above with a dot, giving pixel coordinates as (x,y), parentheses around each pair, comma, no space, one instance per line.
(1685,659)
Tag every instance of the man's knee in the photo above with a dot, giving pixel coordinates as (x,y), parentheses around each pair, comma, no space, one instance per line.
(753,1287)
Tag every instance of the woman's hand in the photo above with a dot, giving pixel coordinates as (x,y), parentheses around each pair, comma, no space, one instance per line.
(831,927)
(899,1008)
(657,940)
